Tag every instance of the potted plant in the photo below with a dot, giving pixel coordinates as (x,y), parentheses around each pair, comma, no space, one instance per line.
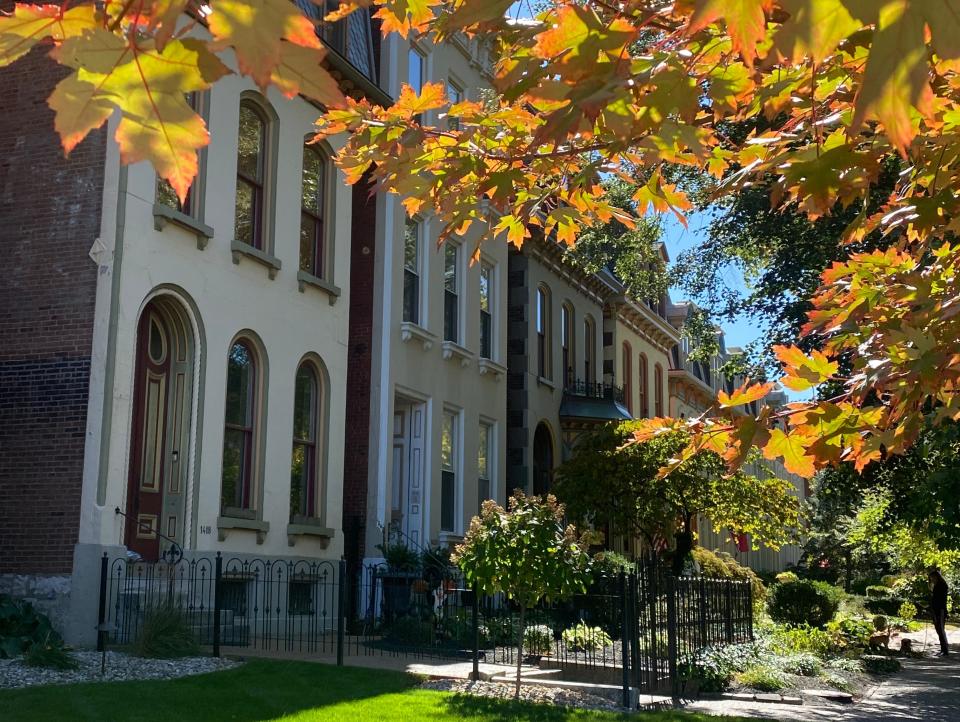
(403,564)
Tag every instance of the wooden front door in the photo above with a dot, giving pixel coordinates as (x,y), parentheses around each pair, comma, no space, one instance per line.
(148,439)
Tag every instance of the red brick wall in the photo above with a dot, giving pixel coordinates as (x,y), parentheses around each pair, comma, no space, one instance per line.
(50,210)
(357,420)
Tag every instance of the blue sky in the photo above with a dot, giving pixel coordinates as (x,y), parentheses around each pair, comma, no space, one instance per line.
(677,238)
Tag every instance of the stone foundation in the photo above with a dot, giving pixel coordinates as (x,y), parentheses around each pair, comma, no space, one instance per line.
(49,594)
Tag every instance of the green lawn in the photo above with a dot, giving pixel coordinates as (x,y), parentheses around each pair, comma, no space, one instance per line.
(271,690)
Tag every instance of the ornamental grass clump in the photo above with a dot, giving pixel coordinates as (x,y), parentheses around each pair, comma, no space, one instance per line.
(166,635)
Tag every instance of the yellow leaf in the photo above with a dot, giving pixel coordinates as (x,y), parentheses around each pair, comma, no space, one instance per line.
(148,86)
(895,79)
(791,449)
(255,29)
(516,231)
(409,104)
(403,16)
(29,24)
(300,72)
(814,29)
(745,20)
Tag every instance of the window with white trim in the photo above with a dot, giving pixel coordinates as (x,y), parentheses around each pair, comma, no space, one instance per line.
(448,472)
(411,271)
(486,310)
(451,292)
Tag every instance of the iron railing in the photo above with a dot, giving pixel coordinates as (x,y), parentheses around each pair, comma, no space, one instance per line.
(637,629)
(594,390)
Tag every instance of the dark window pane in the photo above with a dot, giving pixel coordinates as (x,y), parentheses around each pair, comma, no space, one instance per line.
(299,480)
(486,323)
(239,386)
(411,297)
(411,246)
(308,244)
(304,403)
(450,276)
(235,462)
(447,500)
(250,144)
(313,172)
(451,330)
(244,226)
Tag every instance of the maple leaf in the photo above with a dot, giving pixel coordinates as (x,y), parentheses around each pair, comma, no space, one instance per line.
(164,15)
(895,79)
(30,24)
(804,372)
(815,29)
(410,104)
(516,231)
(148,86)
(255,30)
(404,16)
(791,448)
(744,395)
(299,71)
(578,39)
(745,21)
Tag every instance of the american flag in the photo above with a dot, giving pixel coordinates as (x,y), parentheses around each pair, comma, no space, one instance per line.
(659,542)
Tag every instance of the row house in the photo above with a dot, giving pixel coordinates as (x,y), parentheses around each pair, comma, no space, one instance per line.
(694,385)
(582,352)
(175,375)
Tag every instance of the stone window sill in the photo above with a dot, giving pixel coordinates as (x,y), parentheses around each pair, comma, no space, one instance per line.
(238,249)
(491,367)
(541,381)
(225,523)
(453,350)
(412,331)
(449,537)
(305,279)
(309,527)
(162,215)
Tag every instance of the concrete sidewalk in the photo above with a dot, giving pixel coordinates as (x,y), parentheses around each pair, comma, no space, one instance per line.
(925,690)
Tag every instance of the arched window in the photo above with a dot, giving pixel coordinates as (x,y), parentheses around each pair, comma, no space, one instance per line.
(313,212)
(566,342)
(238,478)
(250,214)
(307,461)
(589,349)
(644,381)
(658,390)
(628,376)
(543,333)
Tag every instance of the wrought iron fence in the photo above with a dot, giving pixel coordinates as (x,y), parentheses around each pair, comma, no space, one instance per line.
(636,628)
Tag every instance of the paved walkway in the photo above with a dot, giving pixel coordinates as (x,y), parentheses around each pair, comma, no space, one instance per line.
(925,690)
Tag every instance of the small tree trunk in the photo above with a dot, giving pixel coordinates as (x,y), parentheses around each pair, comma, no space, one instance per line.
(684,539)
(523,609)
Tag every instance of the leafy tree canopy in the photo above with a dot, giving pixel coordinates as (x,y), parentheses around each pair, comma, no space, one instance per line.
(828,90)
(609,481)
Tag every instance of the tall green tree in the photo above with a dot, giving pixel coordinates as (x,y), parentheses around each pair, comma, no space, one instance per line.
(610,481)
(527,552)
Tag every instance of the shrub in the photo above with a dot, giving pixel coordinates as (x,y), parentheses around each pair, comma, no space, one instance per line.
(875,591)
(836,681)
(763,677)
(880,623)
(537,639)
(51,654)
(410,631)
(787,577)
(803,602)
(804,664)
(886,605)
(501,630)
(907,612)
(166,635)
(792,640)
(720,565)
(878,664)
(609,564)
(22,626)
(888,580)
(583,638)
(851,631)
(845,664)
(714,667)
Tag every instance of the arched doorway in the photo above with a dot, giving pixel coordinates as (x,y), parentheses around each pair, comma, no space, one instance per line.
(542,459)
(160,428)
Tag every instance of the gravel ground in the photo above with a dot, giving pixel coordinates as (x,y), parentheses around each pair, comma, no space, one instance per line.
(120,667)
(528,693)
